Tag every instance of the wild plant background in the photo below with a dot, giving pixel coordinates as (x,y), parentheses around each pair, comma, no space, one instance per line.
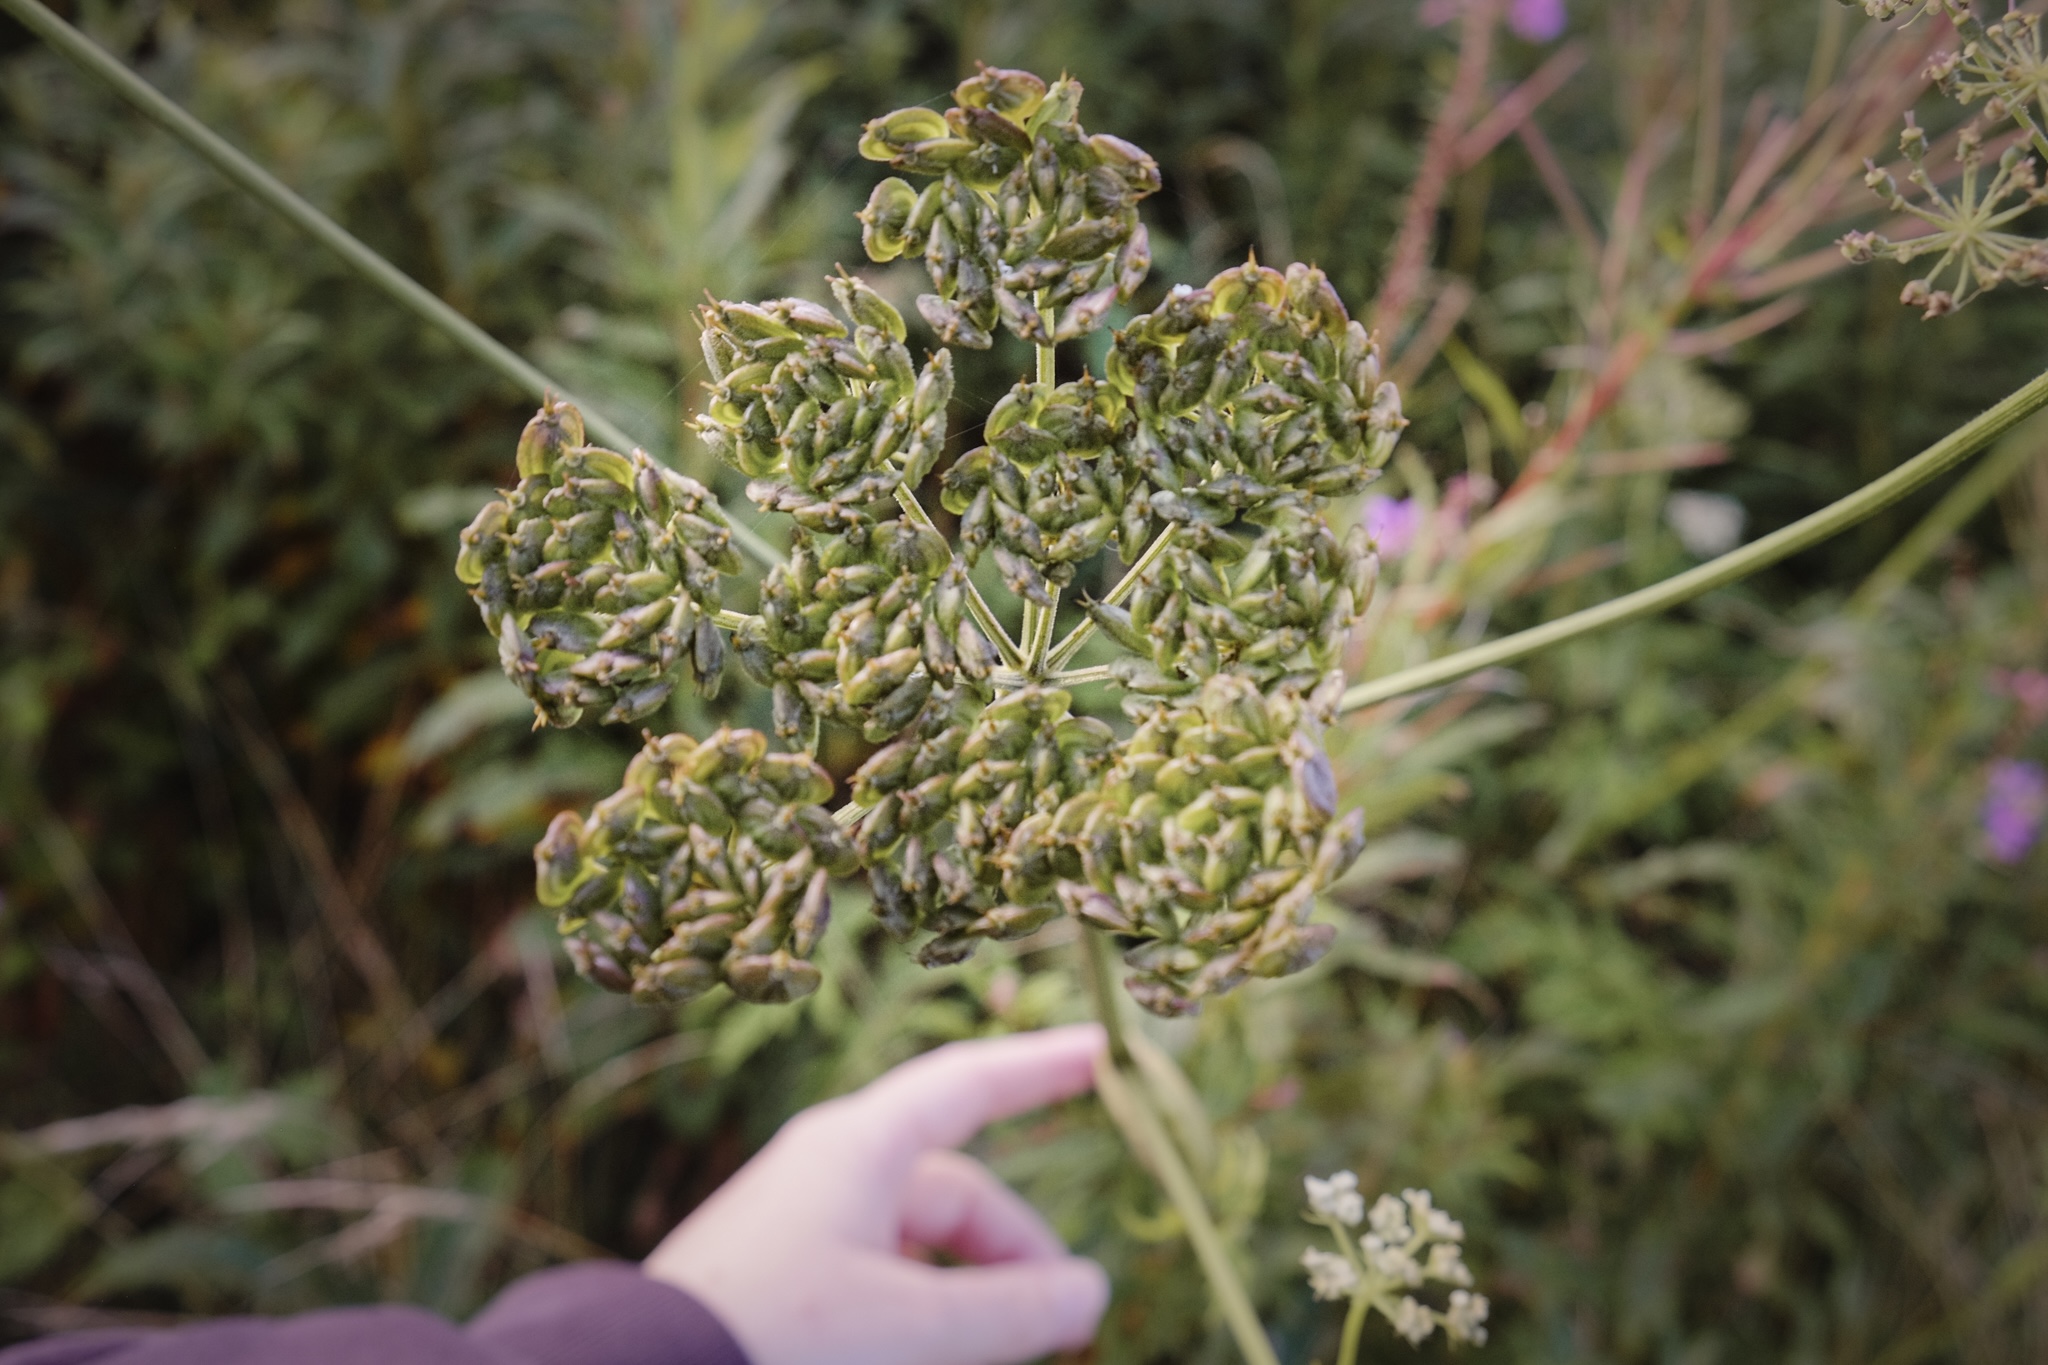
(1701,966)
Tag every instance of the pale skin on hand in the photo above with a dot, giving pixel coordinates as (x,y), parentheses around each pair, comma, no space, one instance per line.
(802,1255)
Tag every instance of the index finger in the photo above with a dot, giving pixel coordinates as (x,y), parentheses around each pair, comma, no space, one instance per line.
(951,1093)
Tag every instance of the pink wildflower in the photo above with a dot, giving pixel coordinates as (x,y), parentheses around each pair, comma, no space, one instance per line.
(1391,523)
(2015,802)
(1537,21)
(2028,687)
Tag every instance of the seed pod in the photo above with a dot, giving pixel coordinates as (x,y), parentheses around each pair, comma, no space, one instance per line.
(1013,94)
(934,386)
(889,137)
(812,916)
(557,427)
(953,323)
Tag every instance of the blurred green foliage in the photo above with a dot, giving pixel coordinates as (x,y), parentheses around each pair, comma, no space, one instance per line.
(1677,968)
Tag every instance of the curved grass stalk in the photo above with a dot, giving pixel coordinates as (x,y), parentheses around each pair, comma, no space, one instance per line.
(1693,761)
(266,188)
(1866,502)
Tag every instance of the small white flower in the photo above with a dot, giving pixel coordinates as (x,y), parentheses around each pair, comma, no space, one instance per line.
(1390,1261)
(1330,1276)
(1430,1220)
(1466,1318)
(1447,1263)
(1336,1198)
(1412,1320)
(1390,1219)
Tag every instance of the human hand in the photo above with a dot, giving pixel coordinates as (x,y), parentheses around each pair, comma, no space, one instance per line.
(802,1254)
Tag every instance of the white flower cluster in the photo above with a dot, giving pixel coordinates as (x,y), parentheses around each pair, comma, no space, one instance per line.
(1337,1198)
(1406,1242)
(1330,1276)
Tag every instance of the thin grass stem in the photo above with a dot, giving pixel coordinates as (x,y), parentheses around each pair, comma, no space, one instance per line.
(268,190)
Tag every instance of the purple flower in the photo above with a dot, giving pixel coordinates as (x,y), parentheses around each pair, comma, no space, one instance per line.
(1538,21)
(1390,522)
(2015,802)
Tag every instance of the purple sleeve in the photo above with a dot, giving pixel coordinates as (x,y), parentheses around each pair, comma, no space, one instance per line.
(599,1313)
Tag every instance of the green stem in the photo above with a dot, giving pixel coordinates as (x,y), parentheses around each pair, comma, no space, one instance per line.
(1808,531)
(977,605)
(1046,370)
(1080,635)
(1354,1324)
(1101,977)
(733,620)
(1124,1099)
(259,184)
(1035,633)
(1041,640)
(1028,630)
(1077,677)
(1125,586)
(1148,1139)
(1694,761)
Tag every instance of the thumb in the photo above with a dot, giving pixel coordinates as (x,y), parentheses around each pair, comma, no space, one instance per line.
(1003,1314)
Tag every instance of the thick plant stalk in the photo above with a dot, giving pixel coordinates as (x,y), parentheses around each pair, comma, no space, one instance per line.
(261,185)
(1866,502)
(1123,1096)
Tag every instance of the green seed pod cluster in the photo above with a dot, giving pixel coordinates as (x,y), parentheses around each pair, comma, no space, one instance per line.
(1254,400)
(1203,459)
(1210,838)
(1031,223)
(599,574)
(963,838)
(866,628)
(827,420)
(711,863)
(1037,495)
